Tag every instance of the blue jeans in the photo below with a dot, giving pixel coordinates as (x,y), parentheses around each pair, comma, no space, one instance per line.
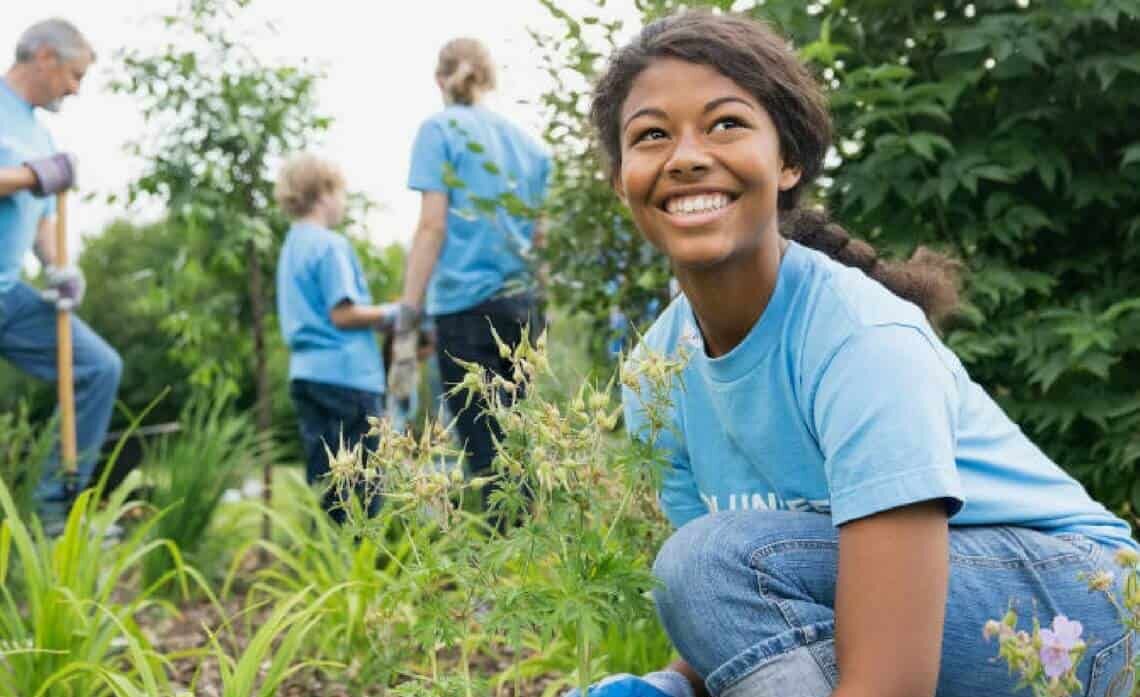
(28,341)
(328,413)
(748,601)
(467,336)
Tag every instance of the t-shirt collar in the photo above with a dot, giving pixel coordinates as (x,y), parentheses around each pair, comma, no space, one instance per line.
(765,334)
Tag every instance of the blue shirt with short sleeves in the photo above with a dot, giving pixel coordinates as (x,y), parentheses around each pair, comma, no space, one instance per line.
(316,271)
(22,138)
(843,400)
(475,155)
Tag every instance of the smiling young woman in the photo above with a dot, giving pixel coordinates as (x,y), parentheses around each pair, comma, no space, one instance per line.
(851,506)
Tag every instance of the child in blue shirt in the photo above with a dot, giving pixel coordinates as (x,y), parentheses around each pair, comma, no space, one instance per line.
(328,320)
(851,506)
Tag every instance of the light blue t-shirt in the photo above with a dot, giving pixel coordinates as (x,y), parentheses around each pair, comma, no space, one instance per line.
(468,151)
(317,270)
(22,138)
(842,400)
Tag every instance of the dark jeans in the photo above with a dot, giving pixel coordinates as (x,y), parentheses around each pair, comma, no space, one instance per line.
(326,413)
(467,335)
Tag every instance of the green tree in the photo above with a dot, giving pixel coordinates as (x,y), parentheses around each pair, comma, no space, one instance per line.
(1003,131)
(218,116)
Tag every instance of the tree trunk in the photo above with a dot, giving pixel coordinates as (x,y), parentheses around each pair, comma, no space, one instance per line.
(264,414)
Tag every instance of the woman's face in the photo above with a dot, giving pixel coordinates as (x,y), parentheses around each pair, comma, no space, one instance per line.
(700,164)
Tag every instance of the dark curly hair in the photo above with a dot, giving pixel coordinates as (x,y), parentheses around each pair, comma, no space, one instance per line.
(756,57)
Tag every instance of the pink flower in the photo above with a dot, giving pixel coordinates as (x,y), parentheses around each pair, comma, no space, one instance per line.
(1056,645)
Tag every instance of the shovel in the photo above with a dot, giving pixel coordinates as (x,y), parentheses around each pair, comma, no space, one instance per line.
(66,386)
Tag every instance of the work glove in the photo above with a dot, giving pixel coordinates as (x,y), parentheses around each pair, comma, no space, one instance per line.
(663,683)
(403,373)
(398,318)
(53,174)
(65,286)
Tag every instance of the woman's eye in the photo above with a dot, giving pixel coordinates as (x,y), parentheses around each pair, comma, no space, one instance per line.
(725,123)
(650,134)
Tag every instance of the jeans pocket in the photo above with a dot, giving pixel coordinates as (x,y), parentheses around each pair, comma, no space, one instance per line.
(1112,673)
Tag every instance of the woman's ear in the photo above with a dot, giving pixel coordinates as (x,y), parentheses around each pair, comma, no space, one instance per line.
(616,185)
(789,177)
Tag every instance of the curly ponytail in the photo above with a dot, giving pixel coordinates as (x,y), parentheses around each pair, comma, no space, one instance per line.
(928,279)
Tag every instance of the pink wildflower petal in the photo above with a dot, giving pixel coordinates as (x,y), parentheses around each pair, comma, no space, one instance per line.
(1055,660)
(1068,631)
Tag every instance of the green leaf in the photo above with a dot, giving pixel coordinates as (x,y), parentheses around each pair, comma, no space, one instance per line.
(1131,155)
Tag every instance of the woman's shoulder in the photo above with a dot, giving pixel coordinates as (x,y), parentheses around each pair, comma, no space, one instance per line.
(673,331)
(844,298)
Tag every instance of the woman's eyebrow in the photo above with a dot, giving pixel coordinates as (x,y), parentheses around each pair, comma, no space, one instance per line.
(645,111)
(730,98)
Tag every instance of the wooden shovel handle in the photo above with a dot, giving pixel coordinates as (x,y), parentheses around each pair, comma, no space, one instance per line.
(64,353)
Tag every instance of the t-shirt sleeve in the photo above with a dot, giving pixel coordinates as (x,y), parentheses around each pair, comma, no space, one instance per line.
(680,498)
(336,274)
(885,414)
(429,158)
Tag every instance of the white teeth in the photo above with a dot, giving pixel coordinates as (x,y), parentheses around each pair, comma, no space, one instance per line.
(699,203)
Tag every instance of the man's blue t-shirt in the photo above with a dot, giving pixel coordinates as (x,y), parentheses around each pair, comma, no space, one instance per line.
(476,156)
(842,400)
(22,138)
(316,271)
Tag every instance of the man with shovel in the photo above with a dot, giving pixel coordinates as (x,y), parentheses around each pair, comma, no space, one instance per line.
(52,58)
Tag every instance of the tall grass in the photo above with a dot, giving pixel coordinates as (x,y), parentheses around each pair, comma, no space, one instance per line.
(23,449)
(191,470)
(312,551)
(61,622)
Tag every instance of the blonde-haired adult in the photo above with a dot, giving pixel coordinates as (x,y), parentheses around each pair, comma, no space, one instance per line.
(468,268)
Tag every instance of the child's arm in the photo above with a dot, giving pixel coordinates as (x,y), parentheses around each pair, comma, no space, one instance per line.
(350,315)
(890,602)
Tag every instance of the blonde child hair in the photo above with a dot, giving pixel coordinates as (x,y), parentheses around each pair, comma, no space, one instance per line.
(303,180)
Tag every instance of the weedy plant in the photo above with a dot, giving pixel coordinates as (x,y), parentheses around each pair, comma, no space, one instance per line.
(1047,658)
(563,553)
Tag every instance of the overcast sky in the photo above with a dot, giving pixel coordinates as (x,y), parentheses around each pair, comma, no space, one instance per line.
(379,86)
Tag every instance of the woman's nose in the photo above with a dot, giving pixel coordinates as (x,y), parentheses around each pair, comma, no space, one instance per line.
(689,157)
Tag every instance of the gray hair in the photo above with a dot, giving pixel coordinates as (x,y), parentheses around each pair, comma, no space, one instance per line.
(57,34)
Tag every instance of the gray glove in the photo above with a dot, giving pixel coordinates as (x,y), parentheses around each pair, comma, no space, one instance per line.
(398,318)
(53,174)
(65,286)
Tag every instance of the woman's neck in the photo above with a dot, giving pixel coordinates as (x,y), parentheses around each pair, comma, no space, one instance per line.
(729,299)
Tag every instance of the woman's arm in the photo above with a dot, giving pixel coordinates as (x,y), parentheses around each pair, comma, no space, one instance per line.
(890,601)
(426,244)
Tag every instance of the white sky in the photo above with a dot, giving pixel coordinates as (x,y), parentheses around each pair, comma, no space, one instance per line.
(379,57)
